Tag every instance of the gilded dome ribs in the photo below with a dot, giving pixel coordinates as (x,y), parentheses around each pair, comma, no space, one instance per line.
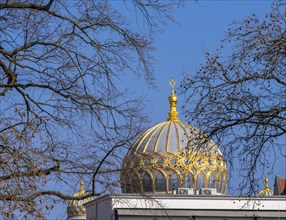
(168,137)
(158,138)
(172,155)
(188,139)
(177,137)
(145,149)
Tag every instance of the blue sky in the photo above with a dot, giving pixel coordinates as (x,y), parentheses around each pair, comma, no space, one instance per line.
(201,26)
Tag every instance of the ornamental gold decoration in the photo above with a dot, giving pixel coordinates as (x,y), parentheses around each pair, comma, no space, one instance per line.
(185,161)
(173,114)
(172,83)
(172,155)
(266,191)
(75,207)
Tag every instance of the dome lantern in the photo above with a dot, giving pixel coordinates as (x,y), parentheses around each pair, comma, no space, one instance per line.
(172,155)
(173,114)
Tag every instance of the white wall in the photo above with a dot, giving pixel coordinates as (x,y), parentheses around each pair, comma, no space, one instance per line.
(202,206)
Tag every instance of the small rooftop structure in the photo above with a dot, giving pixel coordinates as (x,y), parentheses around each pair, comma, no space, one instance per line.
(279,186)
(266,191)
(75,209)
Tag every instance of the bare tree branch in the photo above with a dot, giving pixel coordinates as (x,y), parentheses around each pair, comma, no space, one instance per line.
(64,113)
(240,99)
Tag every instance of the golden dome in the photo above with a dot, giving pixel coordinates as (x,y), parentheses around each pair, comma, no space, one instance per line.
(266,191)
(172,155)
(75,207)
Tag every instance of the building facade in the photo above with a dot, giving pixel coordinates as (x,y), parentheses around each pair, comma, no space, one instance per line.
(185,207)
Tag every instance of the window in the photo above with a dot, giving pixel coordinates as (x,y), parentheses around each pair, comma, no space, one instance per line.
(211,181)
(135,183)
(188,181)
(219,184)
(126,183)
(173,181)
(147,183)
(160,183)
(201,181)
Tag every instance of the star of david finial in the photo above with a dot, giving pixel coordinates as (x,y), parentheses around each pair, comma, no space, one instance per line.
(172,83)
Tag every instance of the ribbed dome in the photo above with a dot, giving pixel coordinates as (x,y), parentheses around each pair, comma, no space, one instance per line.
(172,155)
(266,191)
(75,207)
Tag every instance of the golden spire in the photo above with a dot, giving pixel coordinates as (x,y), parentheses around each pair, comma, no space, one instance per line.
(266,191)
(81,189)
(173,102)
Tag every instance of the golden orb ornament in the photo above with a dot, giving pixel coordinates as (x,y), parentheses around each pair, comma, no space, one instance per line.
(172,155)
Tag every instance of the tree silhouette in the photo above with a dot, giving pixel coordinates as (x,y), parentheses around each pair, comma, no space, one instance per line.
(64,114)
